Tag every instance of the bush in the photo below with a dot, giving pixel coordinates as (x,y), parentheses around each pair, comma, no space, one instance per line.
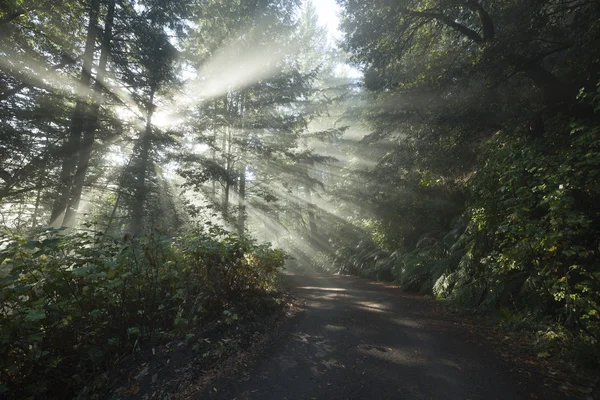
(72,305)
(536,200)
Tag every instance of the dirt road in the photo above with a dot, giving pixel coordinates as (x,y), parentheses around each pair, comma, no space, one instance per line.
(362,340)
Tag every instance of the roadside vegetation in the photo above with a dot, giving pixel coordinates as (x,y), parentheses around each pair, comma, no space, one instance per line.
(74,306)
(147,148)
(483,119)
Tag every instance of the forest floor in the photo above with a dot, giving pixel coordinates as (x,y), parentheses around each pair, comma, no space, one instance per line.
(355,339)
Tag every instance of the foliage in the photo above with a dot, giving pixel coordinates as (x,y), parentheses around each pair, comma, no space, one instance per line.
(74,305)
(468,171)
(485,187)
(536,200)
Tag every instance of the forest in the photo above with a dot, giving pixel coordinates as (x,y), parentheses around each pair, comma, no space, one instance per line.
(163,161)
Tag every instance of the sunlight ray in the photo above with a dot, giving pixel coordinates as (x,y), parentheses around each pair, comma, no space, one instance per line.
(35,73)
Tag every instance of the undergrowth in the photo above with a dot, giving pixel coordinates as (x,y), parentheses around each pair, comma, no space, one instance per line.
(73,305)
(528,240)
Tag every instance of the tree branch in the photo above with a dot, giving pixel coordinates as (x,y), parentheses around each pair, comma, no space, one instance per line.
(487,24)
(468,32)
(10,17)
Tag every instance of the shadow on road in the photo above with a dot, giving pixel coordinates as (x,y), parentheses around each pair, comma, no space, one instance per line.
(363,340)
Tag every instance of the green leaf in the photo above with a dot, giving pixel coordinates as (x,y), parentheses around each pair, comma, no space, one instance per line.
(133,331)
(35,315)
(80,271)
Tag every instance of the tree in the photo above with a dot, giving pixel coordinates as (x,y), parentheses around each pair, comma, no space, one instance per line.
(36,90)
(91,122)
(69,165)
(468,96)
(253,129)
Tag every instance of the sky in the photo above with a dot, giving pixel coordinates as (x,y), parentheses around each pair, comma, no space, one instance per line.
(225,74)
(328,11)
(328,16)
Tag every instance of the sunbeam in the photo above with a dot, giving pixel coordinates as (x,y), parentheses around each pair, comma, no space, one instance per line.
(233,67)
(31,71)
(179,176)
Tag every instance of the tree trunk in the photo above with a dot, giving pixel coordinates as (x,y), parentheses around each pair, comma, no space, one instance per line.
(77,123)
(38,199)
(241,223)
(113,213)
(214,154)
(141,190)
(85,151)
(312,221)
(226,200)
(213,190)
(242,200)
(228,168)
(118,199)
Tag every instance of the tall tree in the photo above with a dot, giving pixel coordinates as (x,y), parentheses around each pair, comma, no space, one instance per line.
(470,102)
(69,165)
(38,57)
(91,121)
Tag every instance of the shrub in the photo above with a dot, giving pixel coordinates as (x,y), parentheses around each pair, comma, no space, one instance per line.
(537,202)
(72,305)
